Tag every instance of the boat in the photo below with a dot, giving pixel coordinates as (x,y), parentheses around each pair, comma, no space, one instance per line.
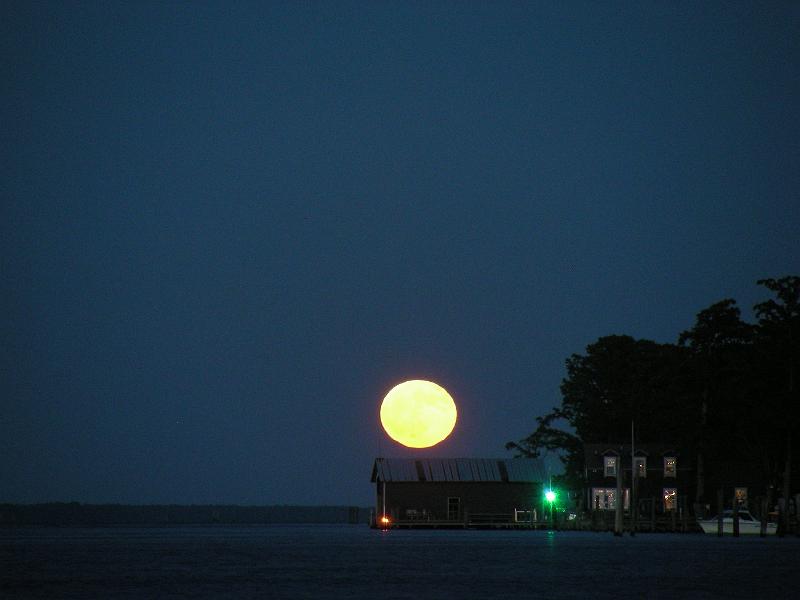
(748,525)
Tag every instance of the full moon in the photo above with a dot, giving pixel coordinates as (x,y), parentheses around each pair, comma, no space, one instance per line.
(418,413)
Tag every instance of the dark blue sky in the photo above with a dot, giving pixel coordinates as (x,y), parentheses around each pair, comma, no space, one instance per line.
(229,228)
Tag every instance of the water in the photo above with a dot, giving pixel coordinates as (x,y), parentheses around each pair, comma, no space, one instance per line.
(349,561)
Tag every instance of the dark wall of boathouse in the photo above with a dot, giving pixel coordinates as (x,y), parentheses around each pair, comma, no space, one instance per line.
(456,490)
(448,501)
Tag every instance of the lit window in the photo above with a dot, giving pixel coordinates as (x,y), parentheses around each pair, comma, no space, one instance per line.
(670,498)
(606,498)
(641,466)
(741,496)
(611,466)
(670,466)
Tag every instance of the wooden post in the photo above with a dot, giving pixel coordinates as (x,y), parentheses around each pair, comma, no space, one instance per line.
(720,508)
(684,515)
(735,514)
(699,495)
(652,515)
(764,508)
(783,526)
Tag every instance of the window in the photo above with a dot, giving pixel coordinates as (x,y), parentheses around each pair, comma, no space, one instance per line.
(670,498)
(453,508)
(599,499)
(670,466)
(611,466)
(740,493)
(524,515)
(606,498)
(641,466)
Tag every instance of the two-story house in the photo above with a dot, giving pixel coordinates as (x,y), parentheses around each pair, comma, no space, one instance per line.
(660,474)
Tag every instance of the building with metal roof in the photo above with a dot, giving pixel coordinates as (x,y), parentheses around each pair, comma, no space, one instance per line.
(456,492)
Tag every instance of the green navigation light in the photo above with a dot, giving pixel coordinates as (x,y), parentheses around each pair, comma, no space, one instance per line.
(550,496)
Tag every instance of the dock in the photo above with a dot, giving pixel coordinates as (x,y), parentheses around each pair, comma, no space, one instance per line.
(654,522)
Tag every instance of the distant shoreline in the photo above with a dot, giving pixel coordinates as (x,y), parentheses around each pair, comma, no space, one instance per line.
(75,514)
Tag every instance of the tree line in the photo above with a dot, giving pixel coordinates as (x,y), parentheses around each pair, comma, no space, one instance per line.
(74,514)
(725,393)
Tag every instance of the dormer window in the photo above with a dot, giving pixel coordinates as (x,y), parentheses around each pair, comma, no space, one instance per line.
(670,466)
(611,466)
(641,466)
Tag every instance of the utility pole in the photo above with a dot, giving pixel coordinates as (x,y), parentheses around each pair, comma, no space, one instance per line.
(633,484)
(618,511)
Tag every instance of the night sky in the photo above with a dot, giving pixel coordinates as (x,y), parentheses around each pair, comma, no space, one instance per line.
(229,229)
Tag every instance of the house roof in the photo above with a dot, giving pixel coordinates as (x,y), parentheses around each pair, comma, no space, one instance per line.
(515,470)
(593,453)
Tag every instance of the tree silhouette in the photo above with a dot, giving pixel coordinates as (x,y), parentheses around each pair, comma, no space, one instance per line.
(726,393)
(714,373)
(778,341)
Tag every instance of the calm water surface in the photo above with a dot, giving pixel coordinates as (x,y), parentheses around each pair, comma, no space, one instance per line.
(350,561)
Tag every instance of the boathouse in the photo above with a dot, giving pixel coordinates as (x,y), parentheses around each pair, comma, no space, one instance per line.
(456,492)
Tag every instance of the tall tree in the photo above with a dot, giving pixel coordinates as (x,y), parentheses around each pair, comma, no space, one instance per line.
(618,379)
(779,342)
(728,392)
(718,345)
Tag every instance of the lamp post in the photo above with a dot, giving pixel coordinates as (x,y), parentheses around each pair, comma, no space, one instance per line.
(550,496)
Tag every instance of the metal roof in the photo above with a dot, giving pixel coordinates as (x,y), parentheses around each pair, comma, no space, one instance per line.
(515,470)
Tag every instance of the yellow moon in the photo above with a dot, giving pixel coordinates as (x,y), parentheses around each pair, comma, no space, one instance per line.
(418,413)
